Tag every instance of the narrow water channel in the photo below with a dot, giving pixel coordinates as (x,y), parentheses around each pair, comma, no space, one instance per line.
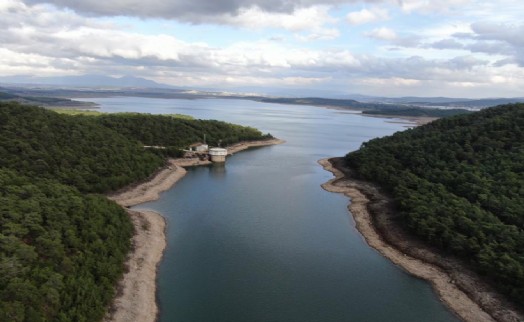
(259,240)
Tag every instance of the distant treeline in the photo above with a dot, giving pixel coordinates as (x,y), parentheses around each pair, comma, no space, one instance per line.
(415,111)
(368,108)
(62,248)
(176,132)
(475,103)
(458,184)
(42,100)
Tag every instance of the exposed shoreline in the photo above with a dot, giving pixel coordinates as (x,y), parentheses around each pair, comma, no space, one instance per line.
(460,289)
(136,291)
(410,120)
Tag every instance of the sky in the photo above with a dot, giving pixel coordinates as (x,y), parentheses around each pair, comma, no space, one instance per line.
(453,48)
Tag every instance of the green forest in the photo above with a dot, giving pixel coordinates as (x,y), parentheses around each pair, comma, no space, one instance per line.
(62,244)
(175,132)
(369,108)
(458,184)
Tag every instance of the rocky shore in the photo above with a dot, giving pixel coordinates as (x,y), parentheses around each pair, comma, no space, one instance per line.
(136,293)
(459,288)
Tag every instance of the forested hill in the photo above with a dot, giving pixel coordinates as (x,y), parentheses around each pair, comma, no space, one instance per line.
(177,132)
(458,183)
(99,153)
(72,150)
(62,249)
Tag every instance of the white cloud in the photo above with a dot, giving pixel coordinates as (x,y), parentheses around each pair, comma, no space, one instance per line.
(393,81)
(299,20)
(483,57)
(382,33)
(367,16)
(429,6)
(320,34)
(308,23)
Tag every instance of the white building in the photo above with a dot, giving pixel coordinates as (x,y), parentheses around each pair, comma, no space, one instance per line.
(198,147)
(218,154)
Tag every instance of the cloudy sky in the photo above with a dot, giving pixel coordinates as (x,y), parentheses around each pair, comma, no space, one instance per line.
(457,48)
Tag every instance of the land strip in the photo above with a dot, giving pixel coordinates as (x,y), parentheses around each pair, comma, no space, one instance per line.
(136,291)
(459,288)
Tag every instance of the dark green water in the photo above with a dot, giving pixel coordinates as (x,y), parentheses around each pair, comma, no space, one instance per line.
(259,240)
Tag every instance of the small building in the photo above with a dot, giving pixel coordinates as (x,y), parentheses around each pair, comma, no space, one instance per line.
(198,147)
(218,154)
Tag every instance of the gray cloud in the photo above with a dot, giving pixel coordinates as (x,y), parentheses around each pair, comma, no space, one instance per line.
(44,41)
(491,47)
(465,62)
(504,62)
(447,44)
(496,39)
(194,11)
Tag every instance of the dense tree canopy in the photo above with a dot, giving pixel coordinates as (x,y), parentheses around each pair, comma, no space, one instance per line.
(73,150)
(459,184)
(177,132)
(62,249)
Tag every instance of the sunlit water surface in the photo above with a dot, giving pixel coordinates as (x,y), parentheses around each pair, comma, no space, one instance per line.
(259,240)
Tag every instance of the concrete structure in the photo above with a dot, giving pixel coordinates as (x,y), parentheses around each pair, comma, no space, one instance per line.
(198,147)
(218,154)
(202,148)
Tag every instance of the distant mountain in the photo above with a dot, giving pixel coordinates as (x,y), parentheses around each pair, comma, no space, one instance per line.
(97,81)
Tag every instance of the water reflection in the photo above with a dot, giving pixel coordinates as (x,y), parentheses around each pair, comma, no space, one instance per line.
(218,170)
(257,239)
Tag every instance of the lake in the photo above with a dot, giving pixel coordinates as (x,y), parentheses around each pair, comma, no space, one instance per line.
(258,239)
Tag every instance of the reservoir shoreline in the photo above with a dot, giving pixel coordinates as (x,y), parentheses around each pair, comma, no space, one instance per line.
(136,291)
(459,288)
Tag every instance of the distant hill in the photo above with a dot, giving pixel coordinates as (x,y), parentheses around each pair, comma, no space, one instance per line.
(367,108)
(415,111)
(404,100)
(478,103)
(102,86)
(441,102)
(96,81)
(43,101)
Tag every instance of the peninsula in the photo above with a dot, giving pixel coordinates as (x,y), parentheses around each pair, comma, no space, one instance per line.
(136,299)
(443,202)
(64,245)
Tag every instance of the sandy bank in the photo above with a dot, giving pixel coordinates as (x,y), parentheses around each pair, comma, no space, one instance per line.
(151,189)
(460,289)
(251,144)
(136,300)
(410,120)
(136,296)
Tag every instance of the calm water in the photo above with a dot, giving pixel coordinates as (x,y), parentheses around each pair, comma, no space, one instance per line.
(259,240)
